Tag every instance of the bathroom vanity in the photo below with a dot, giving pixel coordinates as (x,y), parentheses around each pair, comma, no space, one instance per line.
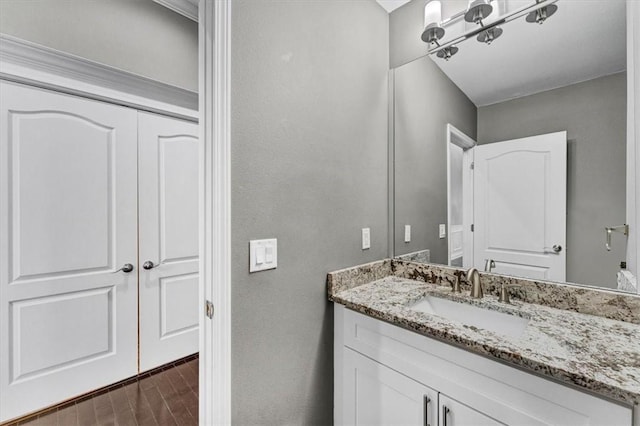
(409,350)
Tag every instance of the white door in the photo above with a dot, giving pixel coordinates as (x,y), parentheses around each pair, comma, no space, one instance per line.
(453,413)
(67,224)
(520,206)
(168,197)
(377,395)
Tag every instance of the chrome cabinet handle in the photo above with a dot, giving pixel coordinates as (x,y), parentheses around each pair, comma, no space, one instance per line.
(149,265)
(127,267)
(445,411)
(427,401)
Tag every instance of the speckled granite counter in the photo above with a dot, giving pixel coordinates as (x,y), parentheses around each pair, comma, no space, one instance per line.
(590,351)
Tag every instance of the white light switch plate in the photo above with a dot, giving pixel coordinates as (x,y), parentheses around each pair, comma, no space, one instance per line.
(443,230)
(263,255)
(366,238)
(407,233)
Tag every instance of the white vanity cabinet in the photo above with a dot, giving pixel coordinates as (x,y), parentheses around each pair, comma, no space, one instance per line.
(378,395)
(452,412)
(386,375)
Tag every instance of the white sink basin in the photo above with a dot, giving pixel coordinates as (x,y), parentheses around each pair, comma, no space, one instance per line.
(497,322)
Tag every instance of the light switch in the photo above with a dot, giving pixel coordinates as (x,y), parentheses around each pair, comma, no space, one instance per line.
(443,230)
(260,252)
(263,255)
(366,238)
(407,233)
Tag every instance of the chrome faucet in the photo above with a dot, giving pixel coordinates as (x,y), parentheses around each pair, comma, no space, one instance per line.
(473,276)
(489,264)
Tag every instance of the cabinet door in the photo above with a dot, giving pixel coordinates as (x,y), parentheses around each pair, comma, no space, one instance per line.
(68,218)
(453,413)
(377,395)
(168,179)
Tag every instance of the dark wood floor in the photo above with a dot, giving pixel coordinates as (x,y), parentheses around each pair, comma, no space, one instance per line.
(166,397)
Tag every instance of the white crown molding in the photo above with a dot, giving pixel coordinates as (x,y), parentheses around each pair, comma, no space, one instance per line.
(29,63)
(188,8)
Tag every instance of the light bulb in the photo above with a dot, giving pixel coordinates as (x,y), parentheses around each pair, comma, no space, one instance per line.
(432,12)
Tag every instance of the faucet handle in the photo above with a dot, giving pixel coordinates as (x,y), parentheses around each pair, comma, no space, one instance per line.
(504,292)
(455,286)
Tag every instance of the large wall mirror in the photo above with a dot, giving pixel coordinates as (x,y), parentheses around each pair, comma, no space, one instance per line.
(512,156)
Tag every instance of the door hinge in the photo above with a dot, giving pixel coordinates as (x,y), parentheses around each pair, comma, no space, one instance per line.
(473,165)
(208,309)
(472,227)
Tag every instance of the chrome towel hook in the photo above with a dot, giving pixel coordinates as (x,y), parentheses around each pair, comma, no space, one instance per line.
(609,229)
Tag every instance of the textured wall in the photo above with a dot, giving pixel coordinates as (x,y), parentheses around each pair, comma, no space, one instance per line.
(139,36)
(309,167)
(425,102)
(594,115)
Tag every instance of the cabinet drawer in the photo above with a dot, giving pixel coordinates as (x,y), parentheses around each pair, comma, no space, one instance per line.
(505,393)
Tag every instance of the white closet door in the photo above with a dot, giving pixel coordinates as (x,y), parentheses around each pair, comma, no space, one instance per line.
(168,202)
(67,224)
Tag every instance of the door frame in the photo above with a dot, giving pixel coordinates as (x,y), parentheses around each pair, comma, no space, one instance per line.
(456,137)
(633,136)
(215,211)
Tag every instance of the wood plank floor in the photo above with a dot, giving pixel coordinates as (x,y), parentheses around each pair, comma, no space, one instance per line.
(163,397)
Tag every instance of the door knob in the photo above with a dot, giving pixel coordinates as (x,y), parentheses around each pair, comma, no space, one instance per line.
(127,267)
(555,249)
(148,265)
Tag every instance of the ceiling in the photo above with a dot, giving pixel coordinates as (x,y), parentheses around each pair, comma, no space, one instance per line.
(391,5)
(584,40)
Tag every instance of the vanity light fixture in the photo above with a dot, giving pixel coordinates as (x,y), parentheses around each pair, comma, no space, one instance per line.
(541,15)
(478,12)
(447,52)
(432,17)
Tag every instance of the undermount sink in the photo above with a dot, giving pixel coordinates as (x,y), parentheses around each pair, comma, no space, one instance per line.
(494,321)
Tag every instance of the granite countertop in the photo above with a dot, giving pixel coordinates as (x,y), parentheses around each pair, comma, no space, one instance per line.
(597,354)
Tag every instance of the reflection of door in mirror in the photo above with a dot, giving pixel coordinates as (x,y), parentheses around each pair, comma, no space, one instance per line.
(459,197)
(520,198)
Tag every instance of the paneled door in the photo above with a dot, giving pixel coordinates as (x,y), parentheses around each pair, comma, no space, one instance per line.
(168,197)
(520,206)
(68,269)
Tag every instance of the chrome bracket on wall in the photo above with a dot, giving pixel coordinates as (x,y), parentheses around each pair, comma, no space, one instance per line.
(610,229)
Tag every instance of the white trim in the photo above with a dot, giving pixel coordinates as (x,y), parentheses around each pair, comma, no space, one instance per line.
(187,8)
(633,136)
(458,138)
(29,63)
(215,210)
(391,166)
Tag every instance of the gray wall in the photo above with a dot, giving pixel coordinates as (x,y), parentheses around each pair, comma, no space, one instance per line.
(309,167)
(594,115)
(139,36)
(425,102)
